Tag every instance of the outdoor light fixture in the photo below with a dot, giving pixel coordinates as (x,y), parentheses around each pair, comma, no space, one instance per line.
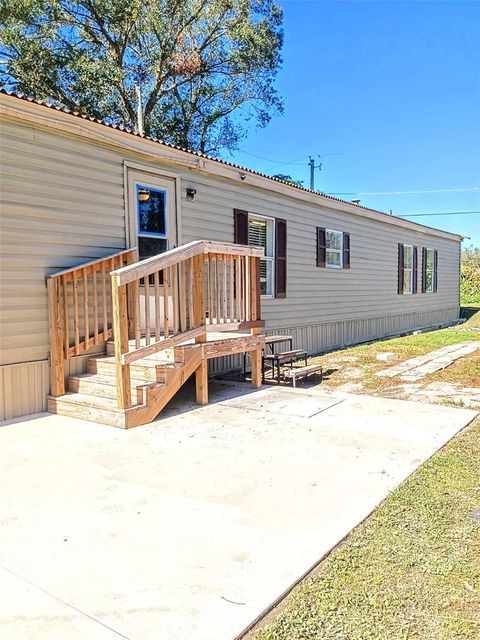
(143,195)
(242,176)
(191,193)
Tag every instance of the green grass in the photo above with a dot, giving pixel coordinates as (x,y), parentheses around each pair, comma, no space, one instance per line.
(410,571)
(473,321)
(338,369)
(464,372)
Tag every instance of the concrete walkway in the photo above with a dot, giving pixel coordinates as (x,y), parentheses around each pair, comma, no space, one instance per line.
(417,368)
(189,528)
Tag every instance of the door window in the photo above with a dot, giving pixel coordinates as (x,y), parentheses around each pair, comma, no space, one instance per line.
(152,221)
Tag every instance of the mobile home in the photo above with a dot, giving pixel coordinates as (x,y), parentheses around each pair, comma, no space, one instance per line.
(76,191)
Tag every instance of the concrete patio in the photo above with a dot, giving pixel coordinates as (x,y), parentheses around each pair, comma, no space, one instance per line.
(192,526)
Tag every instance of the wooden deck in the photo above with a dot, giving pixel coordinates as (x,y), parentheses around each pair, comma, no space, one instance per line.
(169,315)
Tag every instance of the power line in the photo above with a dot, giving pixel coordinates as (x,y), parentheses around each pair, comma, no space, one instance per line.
(440,213)
(296,162)
(276,161)
(394,193)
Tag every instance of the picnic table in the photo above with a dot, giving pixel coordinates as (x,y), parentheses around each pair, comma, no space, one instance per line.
(278,359)
(270,342)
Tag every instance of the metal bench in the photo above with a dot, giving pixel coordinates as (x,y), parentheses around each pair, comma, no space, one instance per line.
(302,372)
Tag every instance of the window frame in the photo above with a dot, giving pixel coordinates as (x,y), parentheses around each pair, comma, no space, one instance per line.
(339,251)
(431,270)
(270,224)
(405,269)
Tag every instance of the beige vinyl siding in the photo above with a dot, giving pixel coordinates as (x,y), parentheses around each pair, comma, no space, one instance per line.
(62,204)
(314,295)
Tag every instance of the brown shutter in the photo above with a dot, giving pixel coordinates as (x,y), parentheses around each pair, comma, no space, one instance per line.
(240,226)
(435,271)
(415,270)
(424,269)
(346,251)
(321,246)
(400,268)
(280,258)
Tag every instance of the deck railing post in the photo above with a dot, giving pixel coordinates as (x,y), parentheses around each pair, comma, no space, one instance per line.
(132,297)
(57,366)
(254,289)
(198,290)
(255,314)
(199,318)
(120,337)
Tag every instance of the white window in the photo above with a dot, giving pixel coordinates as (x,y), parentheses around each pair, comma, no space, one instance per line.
(261,233)
(334,252)
(429,268)
(407,268)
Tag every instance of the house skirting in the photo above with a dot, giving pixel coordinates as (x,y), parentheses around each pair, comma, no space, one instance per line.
(24,387)
(322,337)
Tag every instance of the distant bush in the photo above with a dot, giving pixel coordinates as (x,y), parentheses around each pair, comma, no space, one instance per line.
(470,276)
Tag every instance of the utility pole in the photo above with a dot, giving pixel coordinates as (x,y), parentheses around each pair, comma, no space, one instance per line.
(311,164)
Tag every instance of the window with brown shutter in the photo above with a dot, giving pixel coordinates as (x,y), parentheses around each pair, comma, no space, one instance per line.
(333,248)
(400,269)
(271,234)
(280,258)
(424,269)
(415,271)
(240,219)
(346,250)
(429,270)
(321,246)
(407,269)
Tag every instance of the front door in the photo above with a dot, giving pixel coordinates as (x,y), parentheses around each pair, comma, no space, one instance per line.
(152,213)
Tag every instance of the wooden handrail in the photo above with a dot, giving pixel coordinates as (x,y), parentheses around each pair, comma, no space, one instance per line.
(179,254)
(98,261)
(80,310)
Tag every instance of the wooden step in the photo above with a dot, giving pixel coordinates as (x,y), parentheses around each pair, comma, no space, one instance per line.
(147,370)
(88,407)
(155,397)
(99,385)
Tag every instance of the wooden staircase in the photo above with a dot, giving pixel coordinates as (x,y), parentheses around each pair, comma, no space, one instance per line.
(93,395)
(206,290)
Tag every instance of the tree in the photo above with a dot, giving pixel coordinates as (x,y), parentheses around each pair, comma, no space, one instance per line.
(205,67)
(470,276)
(285,178)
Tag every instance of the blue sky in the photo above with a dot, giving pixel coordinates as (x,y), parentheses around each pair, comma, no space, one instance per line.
(393,90)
